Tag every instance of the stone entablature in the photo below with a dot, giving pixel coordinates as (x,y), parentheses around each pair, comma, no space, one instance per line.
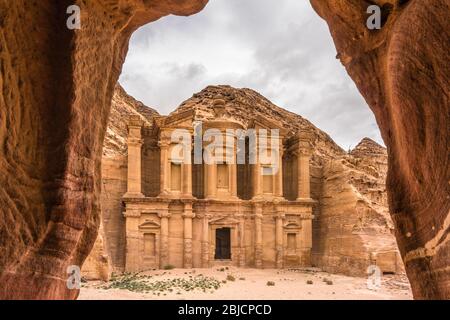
(224,211)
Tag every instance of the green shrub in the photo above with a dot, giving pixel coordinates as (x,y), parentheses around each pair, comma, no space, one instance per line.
(168,267)
(231,277)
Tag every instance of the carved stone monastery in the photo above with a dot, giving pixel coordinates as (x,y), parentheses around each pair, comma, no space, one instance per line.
(323,207)
(197,215)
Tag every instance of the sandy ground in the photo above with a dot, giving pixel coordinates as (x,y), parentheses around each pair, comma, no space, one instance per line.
(251,284)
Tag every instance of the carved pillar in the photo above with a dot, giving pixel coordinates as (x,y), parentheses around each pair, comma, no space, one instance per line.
(279,175)
(307,242)
(241,240)
(279,239)
(256,174)
(211,181)
(187,180)
(258,236)
(164,252)
(205,241)
(233,172)
(232,162)
(133,257)
(187,241)
(186,186)
(134,181)
(164,169)
(303,155)
(303,175)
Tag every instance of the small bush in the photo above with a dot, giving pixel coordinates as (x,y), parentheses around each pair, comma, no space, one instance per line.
(231,277)
(242,278)
(168,267)
(329,282)
(270,283)
(309,282)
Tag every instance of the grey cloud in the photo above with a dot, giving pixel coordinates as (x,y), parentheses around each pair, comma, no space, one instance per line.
(281,49)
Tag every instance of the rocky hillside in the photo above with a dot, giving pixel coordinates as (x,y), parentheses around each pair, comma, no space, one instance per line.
(107,252)
(123,105)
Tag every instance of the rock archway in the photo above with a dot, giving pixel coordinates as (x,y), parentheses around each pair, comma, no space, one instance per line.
(55,91)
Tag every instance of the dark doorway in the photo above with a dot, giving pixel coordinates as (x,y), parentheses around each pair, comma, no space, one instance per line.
(223,244)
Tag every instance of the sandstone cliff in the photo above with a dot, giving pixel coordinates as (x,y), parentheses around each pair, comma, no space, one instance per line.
(123,106)
(108,252)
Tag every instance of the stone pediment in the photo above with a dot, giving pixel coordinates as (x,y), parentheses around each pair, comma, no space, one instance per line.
(179,120)
(224,221)
(292,225)
(265,123)
(149,224)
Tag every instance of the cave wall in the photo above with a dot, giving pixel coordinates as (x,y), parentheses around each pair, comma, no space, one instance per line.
(350,232)
(52,129)
(403,72)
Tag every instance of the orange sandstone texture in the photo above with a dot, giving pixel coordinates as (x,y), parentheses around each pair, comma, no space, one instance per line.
(55,91)
(403,71)
(56,87)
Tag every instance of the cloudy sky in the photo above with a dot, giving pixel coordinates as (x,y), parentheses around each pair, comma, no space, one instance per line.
(281,49)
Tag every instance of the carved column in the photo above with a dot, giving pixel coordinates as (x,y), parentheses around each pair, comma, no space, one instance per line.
(279,239)
(205,241)
(257,190)
(187,241)
(232,162)
(211,181)
(164,170)
(187,180)
(307,241)
(258,236)
(133,257)
(304,153)
(233,172)
(279,175)
(134,181)
(164,252)
(241,240)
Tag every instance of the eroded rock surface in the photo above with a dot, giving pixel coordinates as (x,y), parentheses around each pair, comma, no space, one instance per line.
(403,71)
(53,124)
(56,87)
(108,253)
